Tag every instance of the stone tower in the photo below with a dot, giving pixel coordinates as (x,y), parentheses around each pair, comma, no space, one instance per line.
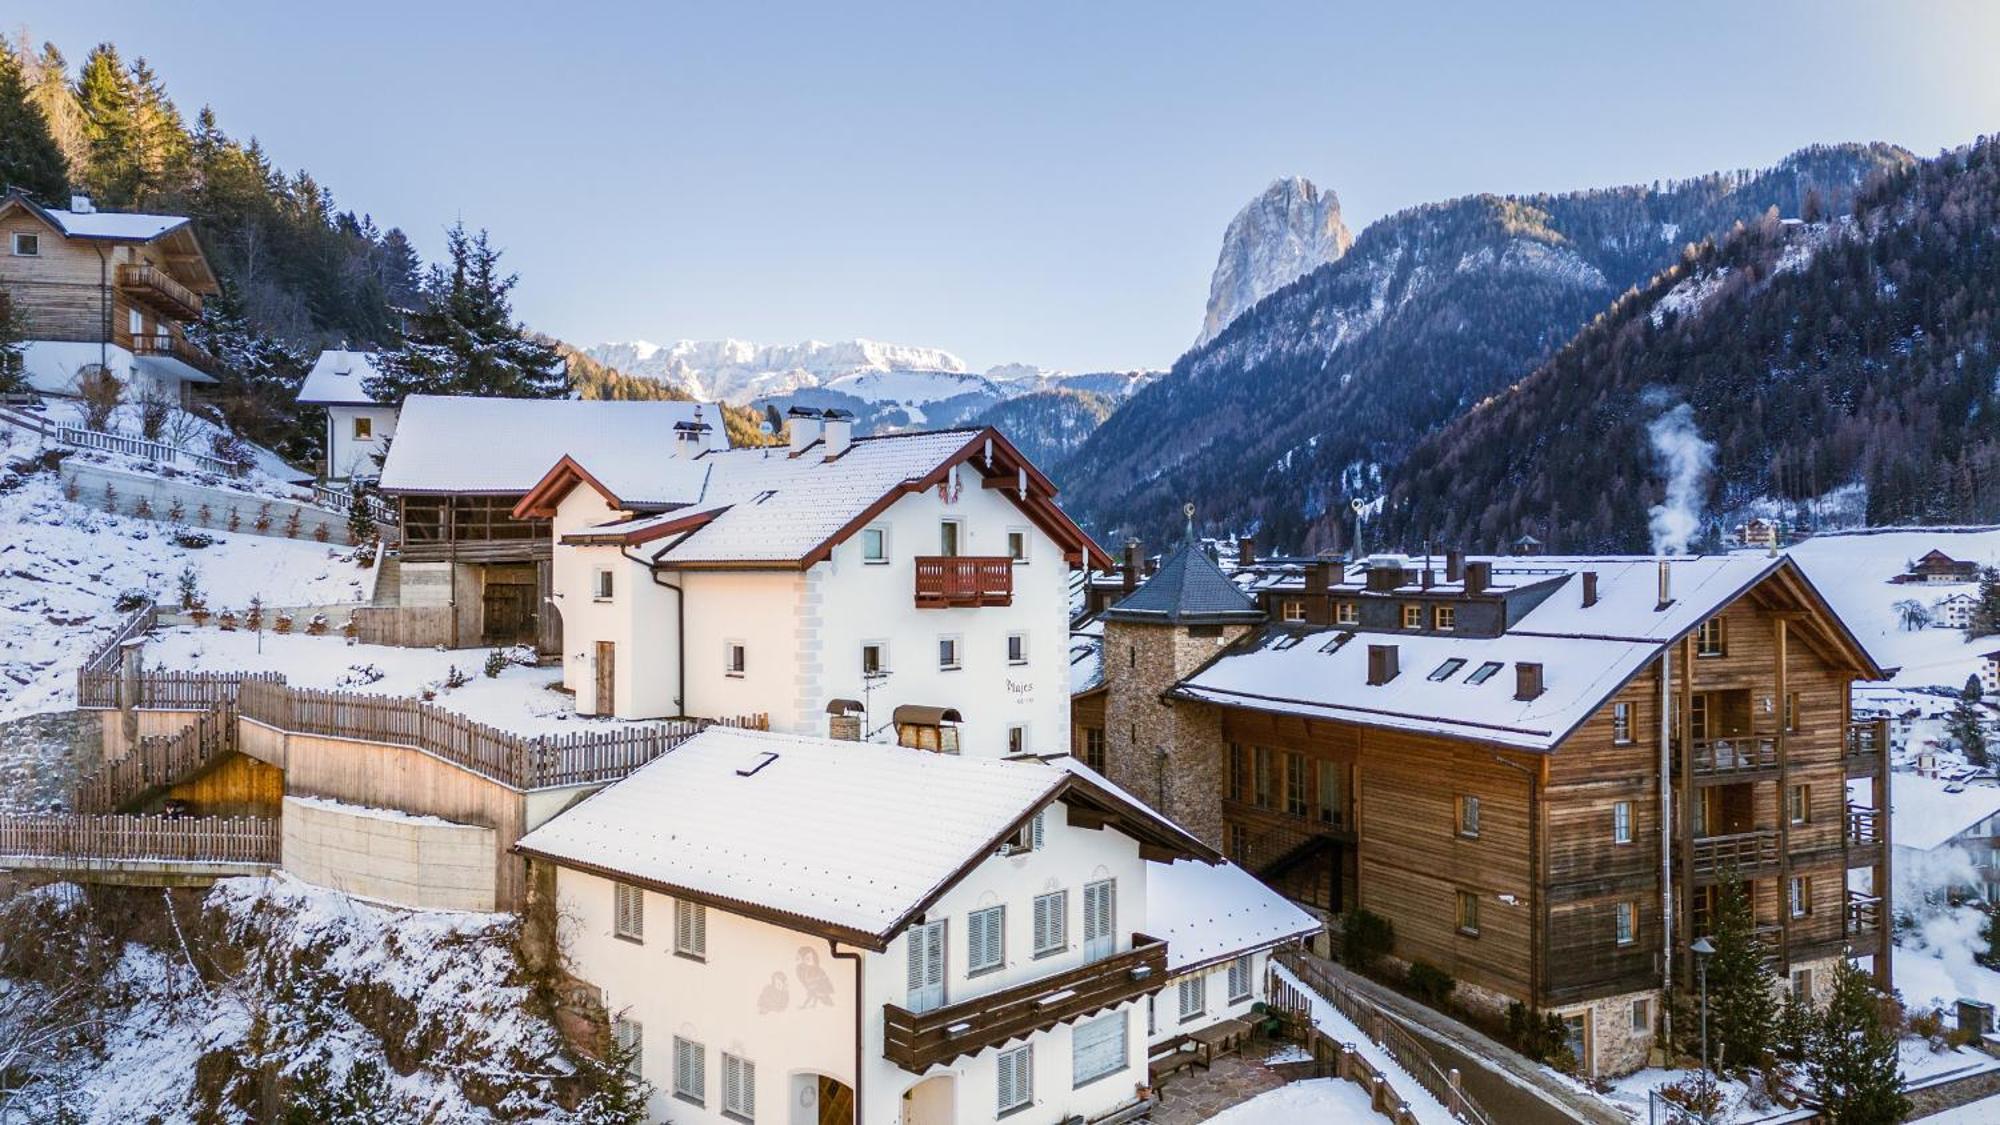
(1169,753)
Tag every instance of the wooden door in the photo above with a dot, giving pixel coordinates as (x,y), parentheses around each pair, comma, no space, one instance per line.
(607,658)
(1100,919)
(926,975)
(510,614)
(836,1102)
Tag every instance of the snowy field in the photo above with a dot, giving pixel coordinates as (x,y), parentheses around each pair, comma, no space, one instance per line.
(1316,1099)
(268,475)
(1853,571)
(63,566)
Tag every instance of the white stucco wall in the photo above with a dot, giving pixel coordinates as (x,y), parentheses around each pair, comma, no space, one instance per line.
(52,367)
(348,456)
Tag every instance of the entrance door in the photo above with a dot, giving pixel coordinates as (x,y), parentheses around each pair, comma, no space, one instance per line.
(510,614)
(927,966)
(1100,919)
(607,667)
(836,1102)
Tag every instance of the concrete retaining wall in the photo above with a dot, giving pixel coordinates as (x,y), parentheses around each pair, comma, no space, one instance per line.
(422,862)
(87,481)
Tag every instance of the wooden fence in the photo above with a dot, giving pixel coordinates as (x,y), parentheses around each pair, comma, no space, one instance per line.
(403,626)
(159,762)
(342,500)
(118,838)
(1381,1028)
(157,451)
(97,680)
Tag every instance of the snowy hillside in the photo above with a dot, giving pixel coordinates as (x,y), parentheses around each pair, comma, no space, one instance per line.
(1853,571)
(1289,231)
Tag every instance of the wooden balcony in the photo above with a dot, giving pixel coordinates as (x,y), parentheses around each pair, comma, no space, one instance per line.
(166,345)
(944,581)
(1737,758)
(1867,743)
(1864,915)
(154,288)
(1746,855)
(1864,836)
(917,1041)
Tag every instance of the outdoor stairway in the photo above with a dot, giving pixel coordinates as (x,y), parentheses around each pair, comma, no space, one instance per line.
(159,763)
(389,583)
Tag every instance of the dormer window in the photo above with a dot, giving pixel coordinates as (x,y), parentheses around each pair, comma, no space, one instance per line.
(1293,611)
(1444,617)
(1413,617)
(27,245)
(1346,613)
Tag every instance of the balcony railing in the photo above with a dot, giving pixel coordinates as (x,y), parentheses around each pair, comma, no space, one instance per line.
(917,1041)
(152,286)
(964,580)
(1740,754)
(1743,853)
(170,346)
(1866,739)
(1864,826)
(1864,914)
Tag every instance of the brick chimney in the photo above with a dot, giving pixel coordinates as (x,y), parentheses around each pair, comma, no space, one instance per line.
(1478,576)
(1382,666)
(1246,552)
(1527,680)
(1129,573)
(1384,577)
(1589,588)
(1454,565)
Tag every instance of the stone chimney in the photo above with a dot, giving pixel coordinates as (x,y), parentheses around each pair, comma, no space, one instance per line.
(1527,680)
(837,432)
(1478,576)
(1589,588)
(1384,577)
(1454,565)
(1129,573)
(1381,664)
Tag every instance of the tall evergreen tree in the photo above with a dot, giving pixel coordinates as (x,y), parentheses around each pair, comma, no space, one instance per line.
(1742,1001)
(12,378)
(1967,723)
(464,340)
(111,128)
(160,149)
(29,157)
(1854,1059)
(1985,618)
(46,74)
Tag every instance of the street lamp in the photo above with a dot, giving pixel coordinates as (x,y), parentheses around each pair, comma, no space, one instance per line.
(1701,949)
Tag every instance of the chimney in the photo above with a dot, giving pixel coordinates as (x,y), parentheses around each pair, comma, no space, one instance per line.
(80,204)
(804,424)
(1246,552)
(1666,587)
(1429,577)
(1478,576)
(1589,588)
(1130,572)
(1384,577)
(1317,576)
(689,440)
(1381,664)
(1527,680)
(1454,565)
(838,432)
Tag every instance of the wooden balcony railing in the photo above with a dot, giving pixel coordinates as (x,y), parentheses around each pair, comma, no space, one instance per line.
(917,1041)
(170,346)
(1864,826)
(1743,853)
(152,286)
(1740,754)
(1864,914)
(1867,739)
(964,580)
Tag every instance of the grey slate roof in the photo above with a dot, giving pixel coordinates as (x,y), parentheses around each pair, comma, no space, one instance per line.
(1188,589)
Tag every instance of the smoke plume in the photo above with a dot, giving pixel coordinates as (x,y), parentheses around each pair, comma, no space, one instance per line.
(1685,458)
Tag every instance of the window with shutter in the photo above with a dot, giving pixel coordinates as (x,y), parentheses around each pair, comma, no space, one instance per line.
(1100,918)
(1097,1048)
(985,940)
(1193,996)
(1051,923)
(690,1070)
(739,1088)
(1239,980)
(926,967)
(1016,1071)
(628,912)
(631,1040)
(690,929)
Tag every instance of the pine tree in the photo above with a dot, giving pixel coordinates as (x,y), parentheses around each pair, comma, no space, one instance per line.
(46,74)
(13,378)
(464,339)
(1797,1024)
(617,1095)
(361,514)
(111,128)
(29,158)
(1854,1058)
(160,148)
(1742,1002)
(1967,723)
(1985,618)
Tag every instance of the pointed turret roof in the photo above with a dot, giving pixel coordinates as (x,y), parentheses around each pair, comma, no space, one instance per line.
(1188,589)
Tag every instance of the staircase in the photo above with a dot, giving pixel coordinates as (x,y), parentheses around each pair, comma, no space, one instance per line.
(159,763)
(389,583)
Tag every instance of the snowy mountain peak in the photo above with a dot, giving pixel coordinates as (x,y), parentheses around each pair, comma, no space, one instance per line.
(1287,232)
(739,371)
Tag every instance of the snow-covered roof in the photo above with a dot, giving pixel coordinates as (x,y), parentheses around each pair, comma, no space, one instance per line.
(336,379)
(1929,812)
(114,226)
(1187,589)
(1086,657)
(1212,912)
(503,446)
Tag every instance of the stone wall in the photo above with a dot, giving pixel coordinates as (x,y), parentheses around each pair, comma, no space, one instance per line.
(422,862)
(1169,754)
(1615,1046)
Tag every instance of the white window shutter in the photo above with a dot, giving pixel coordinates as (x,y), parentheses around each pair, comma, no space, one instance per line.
(1035,839)
(700,913)
(916,965)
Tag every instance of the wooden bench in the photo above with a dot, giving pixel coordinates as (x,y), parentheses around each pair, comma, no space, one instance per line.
(1172,1055)
(1224,1038)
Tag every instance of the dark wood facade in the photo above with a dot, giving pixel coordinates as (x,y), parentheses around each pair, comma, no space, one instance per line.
(509,561)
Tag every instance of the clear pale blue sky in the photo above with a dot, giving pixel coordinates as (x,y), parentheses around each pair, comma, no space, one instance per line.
(1029,182)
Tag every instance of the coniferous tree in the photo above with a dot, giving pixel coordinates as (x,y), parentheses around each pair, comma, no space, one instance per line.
(46,75)
(111,129)
(13,379)
(1967,723)
(1854,1060)
(29,157)
(616,1093)
(464,340)
(1742,1002)
(1797,1024)
(1985,618)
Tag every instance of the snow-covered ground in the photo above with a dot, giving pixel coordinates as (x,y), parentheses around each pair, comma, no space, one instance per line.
(63,566)
(1853,572)
(1985,1111)
(268,474)
(1328,1019)
(1316,1099)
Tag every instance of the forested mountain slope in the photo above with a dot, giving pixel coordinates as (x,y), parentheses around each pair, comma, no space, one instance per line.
(1303,401)
(1856,349)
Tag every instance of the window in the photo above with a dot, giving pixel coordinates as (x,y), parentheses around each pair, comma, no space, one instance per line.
(1468,913)
(690,929)
(1016,1074)
(601,586)
(1239,765)
(1468,816)
(1802,985)
(1627,922)
(1097,1048)
(948,654)
(1698,716)
(1791,712)
(1193,996)
(1446,670)
(1483,673)
(1711,638)
(1260,776)
(1017,648)
(628,912)
(1346,613)
(1100,919)
(1444,617)
(1296,789)
(1293,611)
(631,1039)
(733,658)
(985,940)
(874,545)
(1239,841)
(1093,748)
(1017,544)
(1028,837)
(1239,979)
(874,658)
(1017,739)
(1800,894)
(948,538)
(1798,804)
(1621,822)
(739,1088)
(1642,1015)
(1051,923)
(1413,617)
(364,429)
(1621,723)
(1332,810)
(690,1070)
(27,245)
(1577,1039)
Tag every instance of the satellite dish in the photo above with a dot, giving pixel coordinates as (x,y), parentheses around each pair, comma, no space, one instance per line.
(764,427)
